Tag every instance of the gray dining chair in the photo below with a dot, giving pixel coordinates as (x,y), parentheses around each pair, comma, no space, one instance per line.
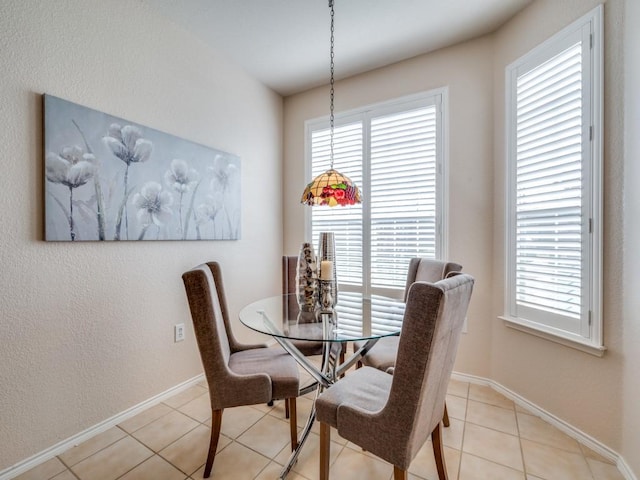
(383,354)
(391,416)
(237,374)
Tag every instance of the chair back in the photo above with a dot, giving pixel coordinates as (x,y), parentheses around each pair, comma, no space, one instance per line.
(428,270)
(431,331)
(289,271)
(203,294)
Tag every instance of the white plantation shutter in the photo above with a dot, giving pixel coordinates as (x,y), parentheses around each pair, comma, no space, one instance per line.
(554,186)
(403,193)
(349,310)
(392,152)
(386,315)
(549,188)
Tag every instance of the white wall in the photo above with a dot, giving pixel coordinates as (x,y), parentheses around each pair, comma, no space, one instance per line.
(468,72)
(631,304)
(580,388)
(87,328)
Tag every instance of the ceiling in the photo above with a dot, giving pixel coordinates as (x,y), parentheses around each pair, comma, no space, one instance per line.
(285,43)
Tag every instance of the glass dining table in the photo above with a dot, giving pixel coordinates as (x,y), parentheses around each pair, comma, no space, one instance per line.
(355,317)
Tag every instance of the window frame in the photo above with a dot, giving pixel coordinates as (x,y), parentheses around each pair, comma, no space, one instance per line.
(438,97)
(590,339)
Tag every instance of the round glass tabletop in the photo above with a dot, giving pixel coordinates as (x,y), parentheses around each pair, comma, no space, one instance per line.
(355,317)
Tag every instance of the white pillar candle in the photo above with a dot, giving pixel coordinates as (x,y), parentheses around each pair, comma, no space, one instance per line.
(326,270)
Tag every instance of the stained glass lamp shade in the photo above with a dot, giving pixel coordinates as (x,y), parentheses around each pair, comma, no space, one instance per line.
(331,188)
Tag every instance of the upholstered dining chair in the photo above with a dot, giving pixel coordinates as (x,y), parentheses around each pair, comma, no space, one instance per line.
(391,416)
(237,374)
(383,354)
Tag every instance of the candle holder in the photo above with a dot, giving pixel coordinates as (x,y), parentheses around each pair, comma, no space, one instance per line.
(327,301)
(327,253)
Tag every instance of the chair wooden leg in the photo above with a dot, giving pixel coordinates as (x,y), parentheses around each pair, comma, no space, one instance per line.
(358,364)
(445,417)
(286,408)
(399,474)
(293,421)
(216,422)
(438,451)
(325,442)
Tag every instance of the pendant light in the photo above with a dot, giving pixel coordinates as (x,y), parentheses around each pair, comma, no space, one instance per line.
(331,188)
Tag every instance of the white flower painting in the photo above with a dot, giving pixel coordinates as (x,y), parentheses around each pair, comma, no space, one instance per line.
(110,179)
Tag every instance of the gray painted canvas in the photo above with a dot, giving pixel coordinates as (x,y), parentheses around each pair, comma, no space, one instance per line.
(110,179)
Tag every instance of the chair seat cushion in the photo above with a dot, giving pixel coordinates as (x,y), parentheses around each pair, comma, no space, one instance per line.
(366,388)
(275,362)
(383,354)
(308,347)
(312,347)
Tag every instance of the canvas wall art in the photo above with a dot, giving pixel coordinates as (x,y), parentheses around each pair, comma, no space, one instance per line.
(110,179)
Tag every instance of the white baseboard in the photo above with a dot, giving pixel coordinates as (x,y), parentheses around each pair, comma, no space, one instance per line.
(561,425)
(625,470)
(90,432)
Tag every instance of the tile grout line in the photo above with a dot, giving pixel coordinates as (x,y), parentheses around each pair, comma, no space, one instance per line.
(153,455)
(464,429)
(588,465)
(67,469)
(174,409)
(200,423)
(524,463)
(232,440)
(512,408)
(70,467)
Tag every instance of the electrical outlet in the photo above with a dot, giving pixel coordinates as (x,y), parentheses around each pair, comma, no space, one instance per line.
(178,332)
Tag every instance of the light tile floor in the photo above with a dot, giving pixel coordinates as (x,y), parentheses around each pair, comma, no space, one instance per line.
(490,438)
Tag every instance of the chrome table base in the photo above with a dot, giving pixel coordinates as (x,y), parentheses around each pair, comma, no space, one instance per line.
(329,373)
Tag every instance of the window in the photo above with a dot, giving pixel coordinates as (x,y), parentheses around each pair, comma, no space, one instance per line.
(394,153)
(554,164)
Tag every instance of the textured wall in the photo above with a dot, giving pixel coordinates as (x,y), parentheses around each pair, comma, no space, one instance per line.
(87,328)
(580,388)
(631,391)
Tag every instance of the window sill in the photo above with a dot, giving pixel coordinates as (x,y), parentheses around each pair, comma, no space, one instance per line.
(586,347)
